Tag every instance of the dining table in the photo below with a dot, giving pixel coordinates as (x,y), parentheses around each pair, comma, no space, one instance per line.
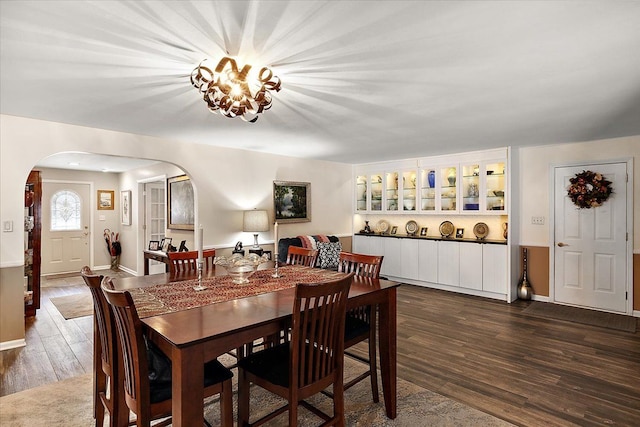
(195,326)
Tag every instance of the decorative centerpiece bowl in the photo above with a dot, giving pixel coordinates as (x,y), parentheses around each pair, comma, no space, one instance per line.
(240,268)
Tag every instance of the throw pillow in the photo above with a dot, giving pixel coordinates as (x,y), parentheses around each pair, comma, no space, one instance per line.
(329,254)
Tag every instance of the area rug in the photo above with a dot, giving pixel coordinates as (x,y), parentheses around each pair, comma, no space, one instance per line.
(72,306)
(69,403)
(582,315)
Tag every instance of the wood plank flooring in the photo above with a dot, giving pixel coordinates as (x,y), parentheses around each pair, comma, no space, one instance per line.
(484,353)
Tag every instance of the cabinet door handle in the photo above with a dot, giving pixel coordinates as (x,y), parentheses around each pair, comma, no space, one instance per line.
(562,245)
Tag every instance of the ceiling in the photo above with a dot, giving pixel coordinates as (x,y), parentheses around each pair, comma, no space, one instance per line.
(362,81)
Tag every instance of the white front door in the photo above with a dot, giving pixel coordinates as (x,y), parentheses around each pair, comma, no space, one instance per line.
(155,223)
(590,244)
(66,210)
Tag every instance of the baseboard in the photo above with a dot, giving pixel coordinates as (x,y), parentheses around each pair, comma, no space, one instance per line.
(8,345)
(636,313)
(108,267)
(540,298)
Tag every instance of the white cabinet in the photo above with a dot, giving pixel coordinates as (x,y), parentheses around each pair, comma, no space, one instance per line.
(494,268)
(448,263)
(471,265)
(392,262)
(428,261)
(409,264)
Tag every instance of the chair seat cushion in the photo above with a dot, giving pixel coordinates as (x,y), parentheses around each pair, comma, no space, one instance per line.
(271,364)
(214,372)
(354,327)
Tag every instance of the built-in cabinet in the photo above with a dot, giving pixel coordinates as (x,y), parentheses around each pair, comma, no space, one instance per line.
(32,242)
(473,267)
(470,184)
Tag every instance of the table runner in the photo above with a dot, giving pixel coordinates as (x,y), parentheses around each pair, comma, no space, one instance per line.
(177,296)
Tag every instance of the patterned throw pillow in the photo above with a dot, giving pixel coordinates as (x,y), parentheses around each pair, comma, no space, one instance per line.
(329,254)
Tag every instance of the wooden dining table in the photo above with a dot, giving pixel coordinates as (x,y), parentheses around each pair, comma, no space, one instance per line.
(191,329)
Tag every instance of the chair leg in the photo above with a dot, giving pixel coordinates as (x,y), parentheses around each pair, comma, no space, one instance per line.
(226,404)
(338,402)
(373,364)
(243,398)
(293,414)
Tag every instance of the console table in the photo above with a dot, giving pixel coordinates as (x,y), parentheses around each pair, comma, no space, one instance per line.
(156,256)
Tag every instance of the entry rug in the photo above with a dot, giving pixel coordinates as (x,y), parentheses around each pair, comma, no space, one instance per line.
(69,403)
(582,315)
(72,306)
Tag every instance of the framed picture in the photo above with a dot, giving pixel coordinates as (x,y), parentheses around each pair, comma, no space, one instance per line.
(459,233)
(154,245)
(165,244)
(180,203)
(125,207)
(105,200)
(394,229)
(292,201)
(423,231)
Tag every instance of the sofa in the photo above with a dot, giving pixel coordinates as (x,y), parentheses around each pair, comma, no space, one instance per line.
(328,247)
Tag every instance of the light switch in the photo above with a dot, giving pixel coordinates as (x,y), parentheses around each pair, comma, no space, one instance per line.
(7,226)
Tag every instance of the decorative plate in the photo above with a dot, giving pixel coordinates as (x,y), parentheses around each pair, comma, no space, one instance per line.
(382,226)
(411,227)
(481,230)
(446,228)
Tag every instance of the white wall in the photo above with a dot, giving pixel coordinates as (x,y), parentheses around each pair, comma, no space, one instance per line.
(226,181)
(534,173)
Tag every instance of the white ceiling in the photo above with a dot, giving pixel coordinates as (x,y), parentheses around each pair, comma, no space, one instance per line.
(361,80)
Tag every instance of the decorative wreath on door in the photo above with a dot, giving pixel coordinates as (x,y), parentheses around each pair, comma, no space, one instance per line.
(589,189)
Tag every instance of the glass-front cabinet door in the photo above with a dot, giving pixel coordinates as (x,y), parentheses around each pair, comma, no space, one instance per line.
(470,188)
(448,188)
(391,193)
(495,186)
(428,189)
(361,193)
(409,179)
(376,192)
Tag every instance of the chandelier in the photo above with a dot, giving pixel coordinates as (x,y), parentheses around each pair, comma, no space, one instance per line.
(234,93)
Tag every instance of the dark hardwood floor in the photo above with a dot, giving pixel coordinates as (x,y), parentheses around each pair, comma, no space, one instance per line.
(484,353)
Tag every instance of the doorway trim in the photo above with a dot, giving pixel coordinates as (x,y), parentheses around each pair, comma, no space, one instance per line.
(141,245)
(629,225)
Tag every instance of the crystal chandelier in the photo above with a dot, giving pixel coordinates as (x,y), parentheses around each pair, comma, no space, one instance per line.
(235,93)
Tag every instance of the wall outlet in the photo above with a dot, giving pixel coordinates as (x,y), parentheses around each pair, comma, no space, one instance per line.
(537,220)
(7,226)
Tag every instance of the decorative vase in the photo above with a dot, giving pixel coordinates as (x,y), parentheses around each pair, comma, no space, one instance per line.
(367,227)
(505,227)
(431,177)
(524,288)
(451,177)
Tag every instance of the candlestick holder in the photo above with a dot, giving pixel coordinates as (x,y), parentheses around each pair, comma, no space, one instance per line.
(199,286)
(275,273)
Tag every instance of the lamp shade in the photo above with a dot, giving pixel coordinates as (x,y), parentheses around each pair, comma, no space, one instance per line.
(255,220)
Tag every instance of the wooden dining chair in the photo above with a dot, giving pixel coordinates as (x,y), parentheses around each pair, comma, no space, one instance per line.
(148,398)
(360,323)
(297,255)
(107,365)
(184,262)
(312,361)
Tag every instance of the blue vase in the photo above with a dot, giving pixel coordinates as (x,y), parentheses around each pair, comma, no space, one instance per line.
(431,176)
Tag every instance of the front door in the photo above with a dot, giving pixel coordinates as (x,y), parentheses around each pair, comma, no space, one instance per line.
(590,244)
(66,210)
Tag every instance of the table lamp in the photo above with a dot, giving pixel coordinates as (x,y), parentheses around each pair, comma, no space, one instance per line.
(254,221)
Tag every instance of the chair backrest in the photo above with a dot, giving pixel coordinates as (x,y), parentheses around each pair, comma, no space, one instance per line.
(302,256)
(181,262)
(130,331)
(104,320)
(361,265)
(317,337)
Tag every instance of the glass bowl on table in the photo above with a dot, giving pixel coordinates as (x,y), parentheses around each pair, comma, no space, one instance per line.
(240,268)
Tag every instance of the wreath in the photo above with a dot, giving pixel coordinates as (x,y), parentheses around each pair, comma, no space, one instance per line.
(589,189)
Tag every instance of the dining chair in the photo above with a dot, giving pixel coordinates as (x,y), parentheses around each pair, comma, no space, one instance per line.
(360,323)
(183,262)
(107,366)
(312,361)
(150,398)
(297,255)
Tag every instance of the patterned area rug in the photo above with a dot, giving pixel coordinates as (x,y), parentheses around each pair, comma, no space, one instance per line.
(69,403)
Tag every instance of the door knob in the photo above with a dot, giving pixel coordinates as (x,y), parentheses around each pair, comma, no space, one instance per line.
(561,245)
